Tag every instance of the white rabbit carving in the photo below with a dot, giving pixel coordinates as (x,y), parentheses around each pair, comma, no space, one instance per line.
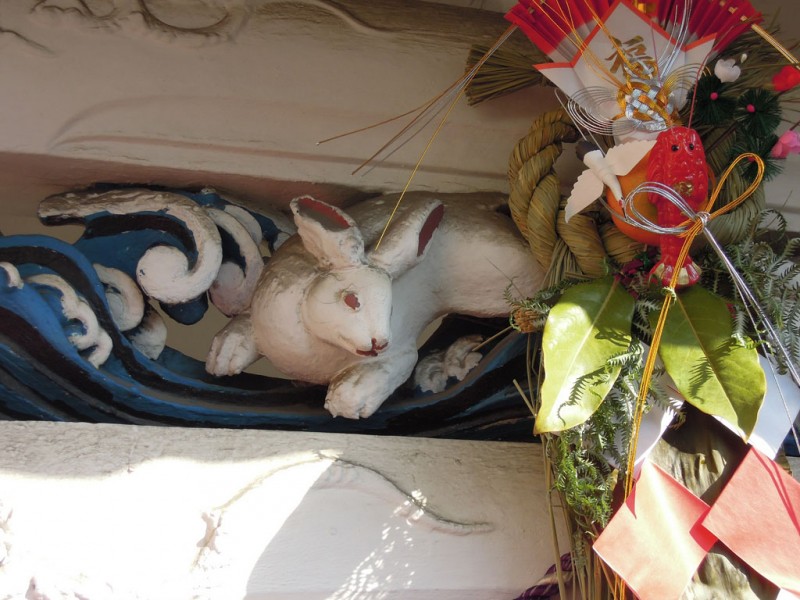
(328,311)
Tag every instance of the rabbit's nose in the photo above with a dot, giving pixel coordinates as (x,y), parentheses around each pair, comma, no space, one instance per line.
(377,347)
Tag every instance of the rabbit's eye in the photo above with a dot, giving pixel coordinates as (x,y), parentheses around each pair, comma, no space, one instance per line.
(352,300)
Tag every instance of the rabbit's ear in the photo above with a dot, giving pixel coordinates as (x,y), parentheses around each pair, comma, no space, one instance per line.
(328,233)
(407,239)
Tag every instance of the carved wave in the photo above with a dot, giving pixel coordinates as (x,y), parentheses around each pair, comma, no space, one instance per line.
(193,24)
(196,25)
(343,474)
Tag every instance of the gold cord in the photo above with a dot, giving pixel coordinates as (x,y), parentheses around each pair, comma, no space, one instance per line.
(696,227)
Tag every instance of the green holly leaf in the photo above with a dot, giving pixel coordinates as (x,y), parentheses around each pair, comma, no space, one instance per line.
(585,330)
(714,372)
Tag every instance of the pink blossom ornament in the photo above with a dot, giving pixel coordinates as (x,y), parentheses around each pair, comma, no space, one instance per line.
(788,143)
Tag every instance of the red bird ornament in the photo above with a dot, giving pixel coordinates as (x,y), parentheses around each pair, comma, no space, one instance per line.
(677,160)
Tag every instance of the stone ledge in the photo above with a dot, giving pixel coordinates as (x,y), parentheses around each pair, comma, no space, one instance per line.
(146,512)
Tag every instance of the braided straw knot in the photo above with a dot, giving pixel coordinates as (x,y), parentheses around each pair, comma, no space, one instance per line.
(584,246)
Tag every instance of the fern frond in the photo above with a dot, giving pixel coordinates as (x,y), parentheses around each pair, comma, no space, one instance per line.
(772,272)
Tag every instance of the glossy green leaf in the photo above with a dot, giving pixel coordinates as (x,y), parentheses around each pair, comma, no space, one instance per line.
(590,325)
(713,371)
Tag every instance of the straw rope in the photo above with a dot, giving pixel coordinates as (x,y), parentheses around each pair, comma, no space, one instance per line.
(733,226)
(582,247)
(578,248)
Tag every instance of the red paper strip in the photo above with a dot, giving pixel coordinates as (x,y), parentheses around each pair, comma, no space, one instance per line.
(727,19)
(548,23)
(655,542)
(757,516)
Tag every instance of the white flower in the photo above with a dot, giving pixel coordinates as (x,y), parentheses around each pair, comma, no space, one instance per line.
(727,70)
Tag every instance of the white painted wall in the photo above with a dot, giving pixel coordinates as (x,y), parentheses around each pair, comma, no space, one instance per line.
(124,512)
(244,106)
(241,105)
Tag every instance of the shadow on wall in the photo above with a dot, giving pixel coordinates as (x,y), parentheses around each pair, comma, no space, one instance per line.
(358,535)
(247,514)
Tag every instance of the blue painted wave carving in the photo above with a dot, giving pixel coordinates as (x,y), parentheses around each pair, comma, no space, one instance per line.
(45,375)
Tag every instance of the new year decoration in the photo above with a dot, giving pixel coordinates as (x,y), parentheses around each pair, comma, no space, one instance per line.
(674,151)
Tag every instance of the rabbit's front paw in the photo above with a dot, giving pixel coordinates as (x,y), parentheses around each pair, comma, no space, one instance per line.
(356,395)
(232,350)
